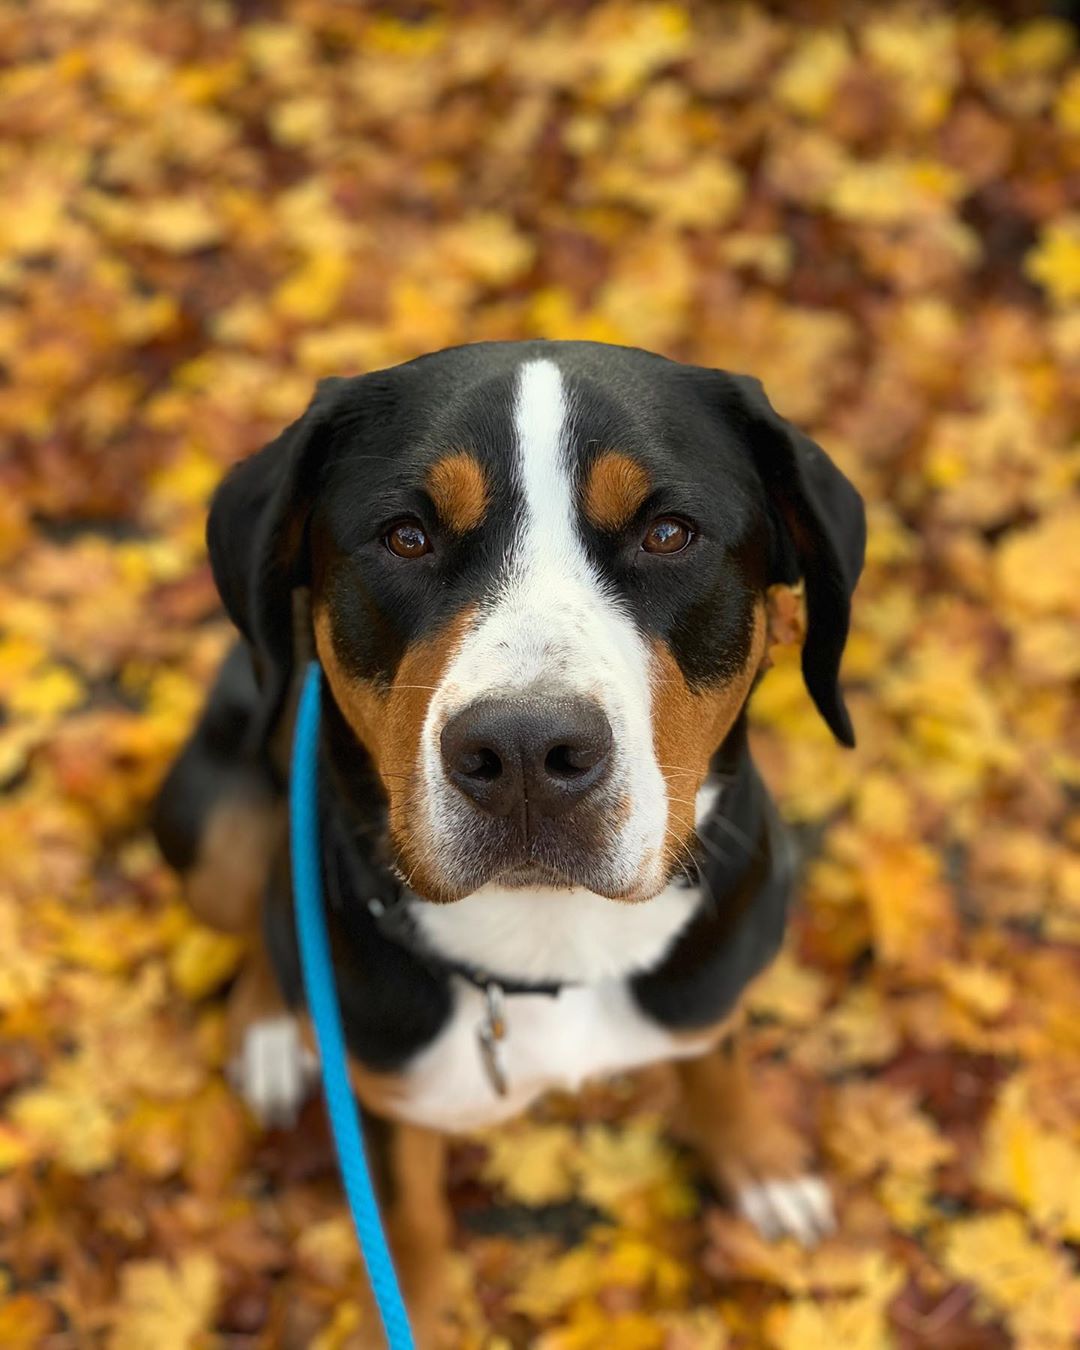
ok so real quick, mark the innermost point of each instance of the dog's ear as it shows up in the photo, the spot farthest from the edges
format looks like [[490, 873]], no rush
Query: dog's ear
[[255, 536], [820, 536]]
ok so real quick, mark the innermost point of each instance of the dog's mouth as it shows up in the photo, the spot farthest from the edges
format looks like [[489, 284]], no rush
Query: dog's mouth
[[531, 874], [481, 854]]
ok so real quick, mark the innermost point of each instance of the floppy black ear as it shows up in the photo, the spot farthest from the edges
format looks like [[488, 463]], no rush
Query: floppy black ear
[[821, 538], [255, 535]]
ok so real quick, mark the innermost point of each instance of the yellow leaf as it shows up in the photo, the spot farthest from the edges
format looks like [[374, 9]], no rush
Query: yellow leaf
[[312, 292], [855, 1324], [340, 1332], [25, 1322], [616, 1165], [219, 1134], [152, 1139], [1067, 107], [176, 224], [328, 1251], [979, 988], [626, 42], [46, 694], [1027, 1161], [299, 121], [808, 80], [488, 246], [203, 960], [792, 993], [14, 1150], [887, 191], [873, 1127], [882, 805], [1037, 569], [592, 1327], [166, 1307], [1032, 1285], [910, 909], [533, 1164], [859, 1031], [69, 1124], [1055, 262]]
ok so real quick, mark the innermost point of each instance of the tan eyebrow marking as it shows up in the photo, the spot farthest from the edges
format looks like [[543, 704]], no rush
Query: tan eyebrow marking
[[614, 490], [459, 489]]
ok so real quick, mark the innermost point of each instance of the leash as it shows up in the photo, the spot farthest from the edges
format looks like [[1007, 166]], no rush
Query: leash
[[326, 1015]]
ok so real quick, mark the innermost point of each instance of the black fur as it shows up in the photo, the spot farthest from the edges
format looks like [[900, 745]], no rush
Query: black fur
[[767, 503], [311, 509]]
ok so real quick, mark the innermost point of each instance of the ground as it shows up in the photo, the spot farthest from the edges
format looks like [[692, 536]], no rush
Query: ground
[[208, 206]]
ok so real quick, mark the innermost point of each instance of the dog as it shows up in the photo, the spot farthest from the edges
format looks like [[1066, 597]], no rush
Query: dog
[[538, 578]]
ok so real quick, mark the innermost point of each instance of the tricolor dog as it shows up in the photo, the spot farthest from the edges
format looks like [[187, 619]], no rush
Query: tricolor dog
[[538, 578]]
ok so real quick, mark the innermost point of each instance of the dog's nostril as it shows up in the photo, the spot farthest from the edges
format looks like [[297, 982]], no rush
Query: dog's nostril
[[483, 764], [568, 761], [532, 757]]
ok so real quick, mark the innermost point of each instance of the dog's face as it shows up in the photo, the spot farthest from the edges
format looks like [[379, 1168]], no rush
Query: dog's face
[[538, 576]]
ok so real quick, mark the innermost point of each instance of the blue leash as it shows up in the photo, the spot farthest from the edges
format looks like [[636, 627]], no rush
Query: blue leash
[[326, 1015]]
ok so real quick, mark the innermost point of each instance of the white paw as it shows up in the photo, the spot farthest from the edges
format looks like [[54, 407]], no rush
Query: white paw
[[801, 1208], [274, 1070]]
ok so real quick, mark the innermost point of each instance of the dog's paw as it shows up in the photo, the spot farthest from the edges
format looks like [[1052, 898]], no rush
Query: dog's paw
[[798, 1207], [274, 1070]]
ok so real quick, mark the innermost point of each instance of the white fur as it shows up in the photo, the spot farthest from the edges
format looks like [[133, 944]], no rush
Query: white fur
[[798, 1207], [553, 626], [534, 935], [555, 935], [559, 1041], [591, 1028], [274, 1070]]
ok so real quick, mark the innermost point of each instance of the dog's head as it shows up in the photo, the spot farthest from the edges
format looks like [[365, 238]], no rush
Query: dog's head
[[538, 576]]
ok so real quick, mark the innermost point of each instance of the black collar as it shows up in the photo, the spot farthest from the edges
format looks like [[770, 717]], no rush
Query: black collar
[[351, 878]]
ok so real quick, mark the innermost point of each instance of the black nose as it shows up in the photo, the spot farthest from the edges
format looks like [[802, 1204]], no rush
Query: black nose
[[539, 756]]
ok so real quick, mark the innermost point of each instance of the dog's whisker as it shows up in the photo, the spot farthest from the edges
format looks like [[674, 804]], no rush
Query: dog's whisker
[[713, 849], [740, 836]]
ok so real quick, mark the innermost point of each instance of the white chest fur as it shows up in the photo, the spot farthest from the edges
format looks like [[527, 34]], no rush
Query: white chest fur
[[552, 1041], [568, 935], [592, 1027]]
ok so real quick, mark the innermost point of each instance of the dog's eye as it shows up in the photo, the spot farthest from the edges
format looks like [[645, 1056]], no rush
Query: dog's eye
[[407, 539], [667, 534]]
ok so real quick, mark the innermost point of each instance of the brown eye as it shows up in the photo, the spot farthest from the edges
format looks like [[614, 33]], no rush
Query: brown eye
[[667, 535], [407, 540]]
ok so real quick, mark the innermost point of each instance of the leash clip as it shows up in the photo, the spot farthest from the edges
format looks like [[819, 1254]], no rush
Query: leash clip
[[491, 1035]]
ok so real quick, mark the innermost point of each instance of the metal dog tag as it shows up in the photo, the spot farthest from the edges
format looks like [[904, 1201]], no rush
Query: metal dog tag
[[490, 1036]]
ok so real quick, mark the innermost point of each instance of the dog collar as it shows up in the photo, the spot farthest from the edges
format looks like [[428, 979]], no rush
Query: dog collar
[[390, 911]]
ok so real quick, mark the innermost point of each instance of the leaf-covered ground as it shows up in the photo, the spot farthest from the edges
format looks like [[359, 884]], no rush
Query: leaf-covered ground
[[207, 206]]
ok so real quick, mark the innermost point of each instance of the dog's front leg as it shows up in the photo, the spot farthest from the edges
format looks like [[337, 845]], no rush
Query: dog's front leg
[[409, 1167], [272, 1063], [757, 1159]]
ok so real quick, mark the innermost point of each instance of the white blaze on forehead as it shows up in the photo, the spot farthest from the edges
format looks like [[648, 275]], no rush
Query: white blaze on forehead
[[552, 626], [541, 418]]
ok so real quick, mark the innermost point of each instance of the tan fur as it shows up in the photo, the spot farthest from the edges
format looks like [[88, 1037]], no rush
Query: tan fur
[[254, 997], [614, 490], [458, 487], [388, 721], [719, 1114], [689, 725], [419, 1226], [225, 886], [785, 607]]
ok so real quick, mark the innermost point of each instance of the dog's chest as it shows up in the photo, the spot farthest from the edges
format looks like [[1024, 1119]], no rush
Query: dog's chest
[[589, 1028], [552, 1041]]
